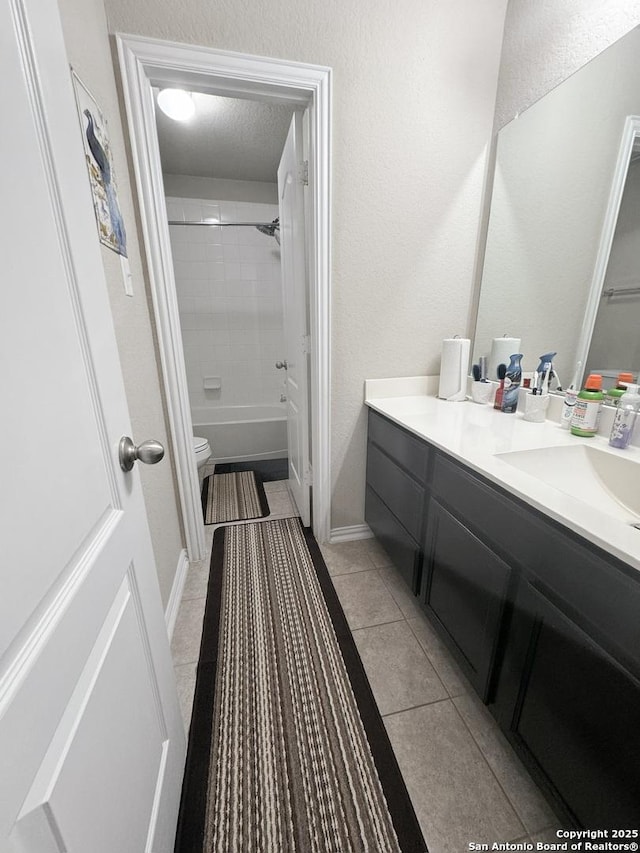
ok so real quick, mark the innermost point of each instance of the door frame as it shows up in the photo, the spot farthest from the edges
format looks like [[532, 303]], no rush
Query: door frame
[[144, 63], [630, 133]]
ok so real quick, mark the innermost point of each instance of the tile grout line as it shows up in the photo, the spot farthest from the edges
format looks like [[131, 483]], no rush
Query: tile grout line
[[433, 664], [414, 707], [426, 653], [493, 773], [345, 574], [481, 751], [422, 649], [374, 624]]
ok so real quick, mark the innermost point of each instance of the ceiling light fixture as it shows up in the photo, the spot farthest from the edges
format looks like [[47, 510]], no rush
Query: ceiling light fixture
[[177, 104]]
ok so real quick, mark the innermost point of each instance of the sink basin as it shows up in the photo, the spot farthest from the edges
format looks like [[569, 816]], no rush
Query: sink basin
[[606, 481]]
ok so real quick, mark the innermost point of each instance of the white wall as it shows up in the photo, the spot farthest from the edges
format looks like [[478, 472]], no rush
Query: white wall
[[413, 101], [195, 186], [230, 301], [87, 42], [546, 42]]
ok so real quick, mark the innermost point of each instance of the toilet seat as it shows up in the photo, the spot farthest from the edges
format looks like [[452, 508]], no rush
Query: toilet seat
[[201, 451]]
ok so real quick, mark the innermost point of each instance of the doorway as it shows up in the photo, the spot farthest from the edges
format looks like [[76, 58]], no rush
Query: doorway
[[148, 63], [220, 169]]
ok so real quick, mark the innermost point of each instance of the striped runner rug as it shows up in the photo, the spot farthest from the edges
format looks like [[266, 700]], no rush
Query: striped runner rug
[[287, 751], [233, 497]]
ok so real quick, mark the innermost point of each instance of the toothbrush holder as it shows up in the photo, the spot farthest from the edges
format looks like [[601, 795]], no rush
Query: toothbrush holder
[[482, 392], [535, 407]]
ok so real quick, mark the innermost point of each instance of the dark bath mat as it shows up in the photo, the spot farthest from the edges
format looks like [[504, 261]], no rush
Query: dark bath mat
[[287, 750], [233, 497]]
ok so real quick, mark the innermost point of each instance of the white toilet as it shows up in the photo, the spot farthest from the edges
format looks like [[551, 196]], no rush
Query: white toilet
[[202, 451]]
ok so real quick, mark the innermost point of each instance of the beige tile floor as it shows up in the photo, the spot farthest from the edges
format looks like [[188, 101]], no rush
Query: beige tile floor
[[465, 782]]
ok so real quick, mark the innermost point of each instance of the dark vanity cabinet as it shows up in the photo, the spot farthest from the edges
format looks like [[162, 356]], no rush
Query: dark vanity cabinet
[[397, 465], [545, 625], [568, 697]]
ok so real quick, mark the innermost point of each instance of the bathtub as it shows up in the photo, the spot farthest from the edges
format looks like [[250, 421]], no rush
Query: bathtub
[[242, 433]]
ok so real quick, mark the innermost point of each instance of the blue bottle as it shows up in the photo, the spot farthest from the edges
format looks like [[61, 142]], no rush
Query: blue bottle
[[512, 380]]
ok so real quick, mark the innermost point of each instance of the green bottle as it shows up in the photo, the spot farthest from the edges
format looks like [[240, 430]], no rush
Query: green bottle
[[612, 397], [586, 412]]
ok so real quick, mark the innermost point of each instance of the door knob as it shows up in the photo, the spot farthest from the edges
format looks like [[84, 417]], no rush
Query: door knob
[[150, 452], [281, 364]]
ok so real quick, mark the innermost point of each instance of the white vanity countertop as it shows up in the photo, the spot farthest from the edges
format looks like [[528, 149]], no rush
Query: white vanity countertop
[[473, 434]]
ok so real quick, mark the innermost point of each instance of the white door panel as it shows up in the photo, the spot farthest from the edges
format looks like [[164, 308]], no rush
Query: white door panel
[[91, 742], [294, 291], [95, 732]]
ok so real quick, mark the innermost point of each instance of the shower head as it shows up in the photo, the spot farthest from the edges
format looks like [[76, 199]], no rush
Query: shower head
[[271, 230]]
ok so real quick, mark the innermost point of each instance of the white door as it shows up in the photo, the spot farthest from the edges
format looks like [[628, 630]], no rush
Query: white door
[[91, 742], [296, 322]]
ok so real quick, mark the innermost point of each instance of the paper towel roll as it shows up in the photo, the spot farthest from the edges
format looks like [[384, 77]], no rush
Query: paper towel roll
[[501, 349], [454, 366]]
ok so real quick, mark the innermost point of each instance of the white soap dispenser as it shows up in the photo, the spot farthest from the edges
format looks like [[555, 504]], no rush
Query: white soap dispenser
[[626, 415]]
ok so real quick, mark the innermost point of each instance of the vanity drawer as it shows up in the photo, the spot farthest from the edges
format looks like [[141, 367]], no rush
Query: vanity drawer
[[401, 548], [402, 495], [408, 451], [498, 520]]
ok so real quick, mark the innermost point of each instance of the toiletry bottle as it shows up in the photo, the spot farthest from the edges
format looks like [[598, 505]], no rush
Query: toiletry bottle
[[625, 418], [497, 402], [612, 396], [586, 412], [570, 396], [512, 383], [545, 359]]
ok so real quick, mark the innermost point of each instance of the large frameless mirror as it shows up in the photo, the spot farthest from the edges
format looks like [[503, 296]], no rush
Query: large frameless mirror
[[559, 166]]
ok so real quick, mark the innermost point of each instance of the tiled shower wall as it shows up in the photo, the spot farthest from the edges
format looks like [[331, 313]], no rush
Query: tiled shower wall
[[230, 302]]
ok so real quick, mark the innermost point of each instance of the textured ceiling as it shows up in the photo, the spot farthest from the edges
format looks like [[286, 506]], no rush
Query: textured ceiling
[[227, 138]]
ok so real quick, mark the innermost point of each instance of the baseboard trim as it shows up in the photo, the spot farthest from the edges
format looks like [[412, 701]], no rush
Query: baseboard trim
[[350, 533], [171, 612]]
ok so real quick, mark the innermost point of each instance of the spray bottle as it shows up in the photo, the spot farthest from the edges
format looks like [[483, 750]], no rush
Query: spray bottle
[[625, 418], [512, 379], [543, 369], [570, 396]]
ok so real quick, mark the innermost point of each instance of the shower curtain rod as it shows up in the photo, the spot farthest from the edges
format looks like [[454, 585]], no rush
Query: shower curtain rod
[[221, 224], [617, 291]]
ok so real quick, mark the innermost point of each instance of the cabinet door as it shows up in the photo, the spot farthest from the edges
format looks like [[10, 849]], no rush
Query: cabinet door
[[465, 593], [574, 715]]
